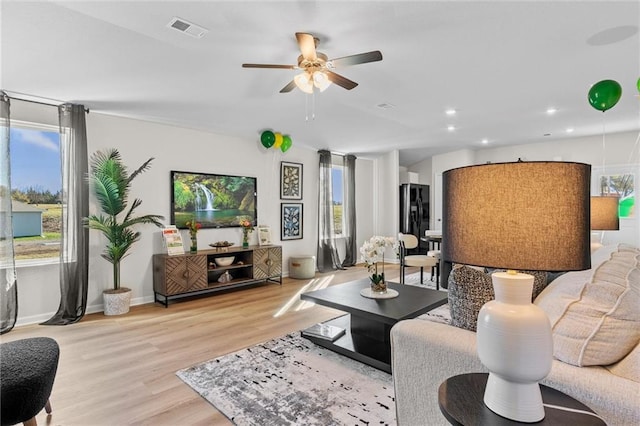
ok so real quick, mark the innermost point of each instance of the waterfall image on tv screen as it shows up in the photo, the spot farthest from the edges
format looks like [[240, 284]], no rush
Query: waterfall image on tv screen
[[215, 201]]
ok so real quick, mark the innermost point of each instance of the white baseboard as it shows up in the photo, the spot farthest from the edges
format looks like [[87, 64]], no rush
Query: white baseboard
[[91, 309]]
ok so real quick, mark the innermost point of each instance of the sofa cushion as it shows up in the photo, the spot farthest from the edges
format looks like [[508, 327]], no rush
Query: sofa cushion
[[470, 288], [629, 366], [594, 314]]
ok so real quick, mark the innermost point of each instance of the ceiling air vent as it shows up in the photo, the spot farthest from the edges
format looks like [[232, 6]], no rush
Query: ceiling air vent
[[187, 27]]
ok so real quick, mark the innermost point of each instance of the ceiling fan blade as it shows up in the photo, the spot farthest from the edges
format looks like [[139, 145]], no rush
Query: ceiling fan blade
[[340, 80], [360, 58], [286, 67], [307, 46], [289, 87]]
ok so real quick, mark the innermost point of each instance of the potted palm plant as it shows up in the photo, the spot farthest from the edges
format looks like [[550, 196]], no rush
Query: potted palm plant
[[111, 183]]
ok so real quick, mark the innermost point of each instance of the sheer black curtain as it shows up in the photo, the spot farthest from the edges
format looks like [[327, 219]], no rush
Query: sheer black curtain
[[8, 281], [327, 256], [349, 210], [74, 253]]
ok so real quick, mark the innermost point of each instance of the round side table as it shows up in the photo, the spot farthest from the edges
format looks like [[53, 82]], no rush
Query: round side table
[[461, 401]]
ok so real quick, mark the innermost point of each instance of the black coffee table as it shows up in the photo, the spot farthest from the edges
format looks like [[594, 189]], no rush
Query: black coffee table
[[369, 321]]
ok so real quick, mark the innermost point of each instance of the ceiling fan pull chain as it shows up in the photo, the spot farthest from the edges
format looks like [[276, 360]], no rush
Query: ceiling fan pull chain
[[306, 108]]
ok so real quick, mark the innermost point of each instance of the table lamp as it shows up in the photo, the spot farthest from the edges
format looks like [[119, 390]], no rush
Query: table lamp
[[516, 216], [604, 213], [604, 216]]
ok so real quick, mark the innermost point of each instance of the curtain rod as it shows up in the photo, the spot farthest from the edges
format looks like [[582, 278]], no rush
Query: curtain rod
[[42, 101]]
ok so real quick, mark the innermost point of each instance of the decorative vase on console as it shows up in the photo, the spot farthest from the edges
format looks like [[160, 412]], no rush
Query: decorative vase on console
[[247, 228], [193, 232], [371, 252]]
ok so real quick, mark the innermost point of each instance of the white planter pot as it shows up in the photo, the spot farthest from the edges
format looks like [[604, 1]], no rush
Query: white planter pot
[[116, 302]]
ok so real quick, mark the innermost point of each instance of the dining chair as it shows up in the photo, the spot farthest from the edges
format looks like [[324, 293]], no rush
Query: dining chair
[[408, 242]]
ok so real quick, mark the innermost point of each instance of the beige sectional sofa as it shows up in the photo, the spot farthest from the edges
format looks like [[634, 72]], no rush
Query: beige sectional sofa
[[598, 362]]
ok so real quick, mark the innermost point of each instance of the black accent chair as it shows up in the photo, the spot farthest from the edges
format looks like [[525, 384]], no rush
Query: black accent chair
[[28, 368]]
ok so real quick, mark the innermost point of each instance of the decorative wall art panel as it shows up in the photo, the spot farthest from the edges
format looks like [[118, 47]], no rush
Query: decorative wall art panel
[[291, 219], [290, 181]]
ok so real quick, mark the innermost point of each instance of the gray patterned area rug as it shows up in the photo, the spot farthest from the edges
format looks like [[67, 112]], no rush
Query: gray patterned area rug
[[291, 381], [414, 279]]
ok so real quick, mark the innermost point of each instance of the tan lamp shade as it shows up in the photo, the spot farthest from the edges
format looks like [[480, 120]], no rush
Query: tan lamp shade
[[522, 216], [604, 213]]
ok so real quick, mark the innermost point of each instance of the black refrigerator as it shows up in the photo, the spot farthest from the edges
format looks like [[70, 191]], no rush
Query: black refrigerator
[[414, 213]]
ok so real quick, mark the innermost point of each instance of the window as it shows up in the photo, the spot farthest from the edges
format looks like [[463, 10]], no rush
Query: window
[[337, 192], [36, 184], [620, 181], [622, 186]]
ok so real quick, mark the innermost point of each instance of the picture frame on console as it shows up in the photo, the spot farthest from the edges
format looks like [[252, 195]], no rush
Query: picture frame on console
[[291, 219], [290, 181], [264, 235]]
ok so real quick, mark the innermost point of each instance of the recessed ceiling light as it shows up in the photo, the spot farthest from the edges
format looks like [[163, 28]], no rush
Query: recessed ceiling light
[[385, 105], [485, 141], [551, 110], [451, 128], [450, 111], [570, 130]]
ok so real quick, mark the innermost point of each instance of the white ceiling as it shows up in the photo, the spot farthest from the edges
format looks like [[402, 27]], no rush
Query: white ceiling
[[499, 64]]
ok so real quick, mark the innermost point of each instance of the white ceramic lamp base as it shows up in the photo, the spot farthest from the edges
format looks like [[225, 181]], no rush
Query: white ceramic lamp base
[[515, 344]]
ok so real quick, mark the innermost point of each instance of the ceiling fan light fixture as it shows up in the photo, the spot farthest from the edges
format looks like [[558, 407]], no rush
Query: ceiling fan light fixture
[[303, 82], [321, 81]]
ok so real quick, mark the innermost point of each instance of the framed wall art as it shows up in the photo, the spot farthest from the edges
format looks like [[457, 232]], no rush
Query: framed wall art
[[291, 219], [290, 181]]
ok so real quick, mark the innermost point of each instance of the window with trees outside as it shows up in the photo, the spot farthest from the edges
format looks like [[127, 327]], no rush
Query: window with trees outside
[[622, 186], [36, 184], [337, 192]]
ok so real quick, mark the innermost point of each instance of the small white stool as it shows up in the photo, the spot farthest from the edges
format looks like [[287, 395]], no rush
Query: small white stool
[[302, 267]]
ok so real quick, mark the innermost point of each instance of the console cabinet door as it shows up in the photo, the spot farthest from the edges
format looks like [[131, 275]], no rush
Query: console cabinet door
[[267, 263], [185, 273]]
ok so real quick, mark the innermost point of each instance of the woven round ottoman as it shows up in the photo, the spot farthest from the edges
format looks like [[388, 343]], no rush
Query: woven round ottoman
[[302, 267], [28, 368]]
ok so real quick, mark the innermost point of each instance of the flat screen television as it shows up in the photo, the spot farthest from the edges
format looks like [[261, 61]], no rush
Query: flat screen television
[[216, 201]]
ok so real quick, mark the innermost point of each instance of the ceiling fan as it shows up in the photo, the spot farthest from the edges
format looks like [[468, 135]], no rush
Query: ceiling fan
[[317, 68]]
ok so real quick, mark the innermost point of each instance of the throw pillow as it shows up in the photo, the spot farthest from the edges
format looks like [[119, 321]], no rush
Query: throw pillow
[[629, 366], [594, 314], [470, 288]]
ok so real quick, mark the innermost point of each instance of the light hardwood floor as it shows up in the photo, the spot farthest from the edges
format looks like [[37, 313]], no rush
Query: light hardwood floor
[[121, 370]]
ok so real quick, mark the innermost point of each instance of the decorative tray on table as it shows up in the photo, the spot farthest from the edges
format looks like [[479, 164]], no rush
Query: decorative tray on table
[[221, 245]]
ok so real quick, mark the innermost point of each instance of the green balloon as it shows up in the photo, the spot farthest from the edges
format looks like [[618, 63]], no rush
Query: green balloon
[[605, 94], [286, 143], [638, 84], [268, 138]]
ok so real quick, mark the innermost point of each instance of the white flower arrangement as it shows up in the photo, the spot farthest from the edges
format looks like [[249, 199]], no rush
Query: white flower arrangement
[[372, 252]]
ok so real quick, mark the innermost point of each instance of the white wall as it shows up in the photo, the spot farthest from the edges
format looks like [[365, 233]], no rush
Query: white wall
[[438, 164], [387, 196], [424, 170], [183, 149], [364, 197], [619, 148]]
